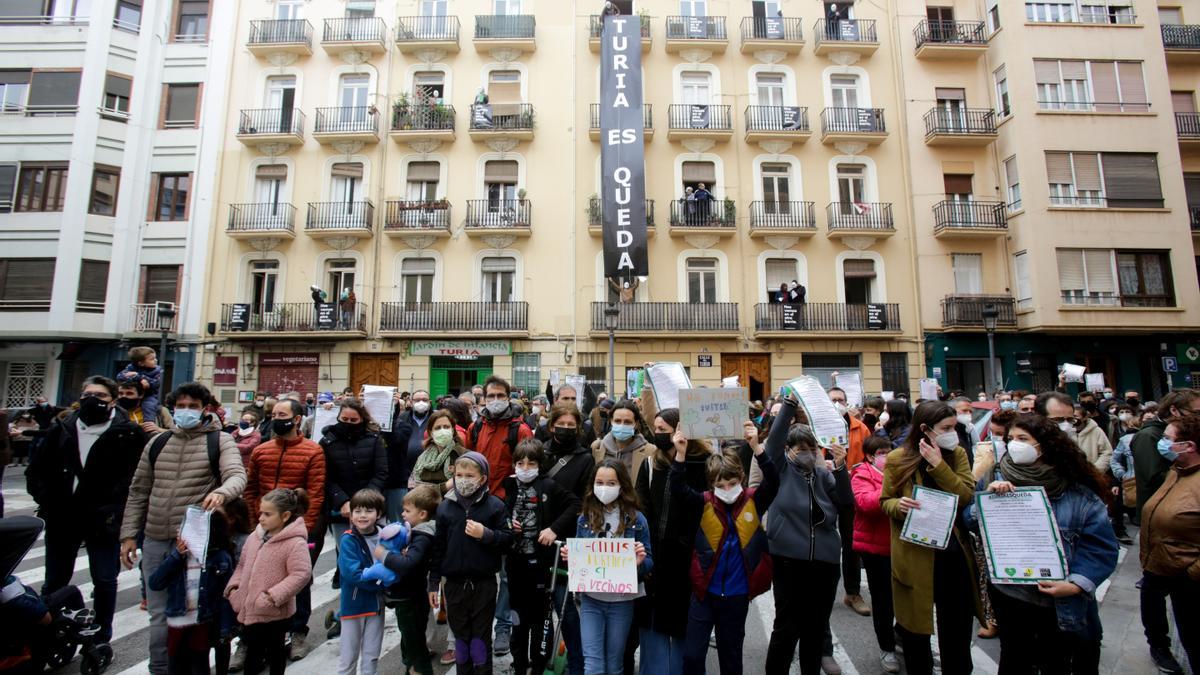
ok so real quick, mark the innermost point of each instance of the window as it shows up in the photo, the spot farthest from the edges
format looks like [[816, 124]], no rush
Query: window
[[1191, 185], [24, 382], [355, 91], [1183, 102], [346, 183], [968, 273], [128, 15], [182, 105], [1024, 285], [844, 91], [105, 182], [702, 280], [269, 183], [858, 280], [116, 95], [894, 369], [507, 7], [193, 21], [430, 87], [14, 89], [340, 277], [695, 88], [42, 187], [1112, 179], [1086, 276], [952, 108], [1013, 179], [1080, 11], [1106, 277], [26, 283], [53, 92], [1170, 16], [263, 276], [360, 9], [160, 283], [289, 10], [693, 7], [1145, 279], [498, 276], [852, 186], [770, 89], [423, 181], [593, 366], [1102, 86], [993, 16], [93, 284], [1003, 107], [171, 196], [780, 271], [500, 181], [416, 280], [776, 193], [527, 372], [8, 185]]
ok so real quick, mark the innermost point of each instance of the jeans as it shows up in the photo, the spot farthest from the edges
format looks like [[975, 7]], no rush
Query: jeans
[[1031, 641], [153, 551], [395, 503], [661, 653], [604, 625], [266, 646], [503, 610], [1185, 598], [804, 593], [728, 615], [103, 550], [851, 566], [954, 602], [569, 617], [412, 616], [879, 581]]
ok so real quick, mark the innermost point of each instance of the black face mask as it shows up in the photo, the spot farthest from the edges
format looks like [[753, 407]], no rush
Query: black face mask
[[566, 438], [283, 427], [663, 441], [1089, 406], [128, 403], [93, 411], [350, 430], [1132, 400], [870, 421], [244, 425]]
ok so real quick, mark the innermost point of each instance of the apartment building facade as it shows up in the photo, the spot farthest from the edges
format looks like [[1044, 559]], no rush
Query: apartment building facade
[[103, 162]]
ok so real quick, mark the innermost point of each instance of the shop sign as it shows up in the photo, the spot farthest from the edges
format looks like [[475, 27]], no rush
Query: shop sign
[[460, 348]]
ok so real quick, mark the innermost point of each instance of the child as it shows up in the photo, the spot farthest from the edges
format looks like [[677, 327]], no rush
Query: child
[[195, 597], [610, 510], [872, 541], [361, 608], [542, 512], [407, 595], [143, 367], [472, 536], [273, 568], [730, 563]]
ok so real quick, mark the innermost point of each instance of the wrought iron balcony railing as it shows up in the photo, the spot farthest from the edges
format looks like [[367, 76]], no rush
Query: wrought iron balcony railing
[[467, 317], [670, 317]]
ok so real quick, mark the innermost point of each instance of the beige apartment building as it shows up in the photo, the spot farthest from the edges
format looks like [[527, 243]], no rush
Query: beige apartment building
[[431, 168]]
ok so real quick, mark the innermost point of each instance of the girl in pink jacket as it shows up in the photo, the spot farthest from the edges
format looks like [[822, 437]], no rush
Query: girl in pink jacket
[[274, 567], [873, 542]]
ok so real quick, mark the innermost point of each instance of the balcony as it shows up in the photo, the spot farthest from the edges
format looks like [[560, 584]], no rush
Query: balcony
[[469, 319], [848, 35], [696, 32], [298, 318], [969, 219], [596, 26], [777, 123], [340, 219], [415, 217], [950, 39], [596, 217], [1181, 43], [708, 216], [1187, 128], [271, 126], [657, 318], [860, 219], [853, 125], [427, 33], [261, 221], [502, 120], [487, 217], [347, 124], [367, 35], [144, 319], [714, 122], [772, 33], [769, 218], [827, 318], [422, 122], [966, 311], [496, 32], [647, 122], [280, 36], [961, 127]]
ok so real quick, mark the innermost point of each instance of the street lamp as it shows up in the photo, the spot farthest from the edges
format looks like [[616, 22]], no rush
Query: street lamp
[[611, 312], [990, 313], [166, 316]]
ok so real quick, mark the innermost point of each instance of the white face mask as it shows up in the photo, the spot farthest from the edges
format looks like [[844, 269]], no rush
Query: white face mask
[[1067, 428], [947, 441], [421, 407], [1022, 452], [884, 417], [607, 494], [728, 495], [497, 407], [964, 419], [526, 475], [1125, 417], [537, 410], [841, 408]]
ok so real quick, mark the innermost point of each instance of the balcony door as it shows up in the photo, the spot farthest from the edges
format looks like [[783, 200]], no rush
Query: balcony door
[[270, 183], [852, 188], [959, 195], [422, 189], [776, 183], [281, 98], [430, 87], [858, 281], [779, 271], [507, 7], [695, 88], [354, 94], [693, 7], [770, 89], [263, 276], [941, 23], [289, 10], [346, 191], [499, 273], [843, 98], [968, 273], [500, 182], [702, 280], [360, 9], [416, 282], [952, 109]]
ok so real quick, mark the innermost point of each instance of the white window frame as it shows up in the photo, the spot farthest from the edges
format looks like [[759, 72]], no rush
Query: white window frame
[[703, 270], [1087, 296], [1002, 94], [402, 285], [1012, 190], [1023, 284], [1072, 196], [968, 266]]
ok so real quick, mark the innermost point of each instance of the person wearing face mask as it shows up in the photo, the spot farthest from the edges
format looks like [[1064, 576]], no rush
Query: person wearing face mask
[[802, 536], [405, 442], [873, 407], [987, 454], [851, 566], [443, 446], [498, 431], [80, 482], [1053, 627], [1124, 482], [247, 436], [872, 541], [923, 577], [1088, 436], [355, 459], [624, 441], [896, 422], [1123, 421]]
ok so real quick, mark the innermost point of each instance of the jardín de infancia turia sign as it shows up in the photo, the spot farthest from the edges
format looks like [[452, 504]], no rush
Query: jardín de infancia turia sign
[[460, 348]]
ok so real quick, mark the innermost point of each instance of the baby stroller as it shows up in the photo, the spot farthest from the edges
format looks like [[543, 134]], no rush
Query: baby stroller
[[27, 645], [552, 645]]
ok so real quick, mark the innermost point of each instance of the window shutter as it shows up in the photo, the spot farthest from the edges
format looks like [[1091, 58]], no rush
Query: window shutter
[[855, 268], [181, 102], [1133, 86], [1191, 184], [161, 283], [1183, 101], [1170, 16], [418, 266], [54, 89], [14, 77], [500, 171], [1010, 169], [424, 171], [968, 272], [1024, 287], [8, 184], [1002, 74], [1131, 180], [29, 279], [700, 172], [93, 281], [1070, 269], [1046, 72], [1099, 271], [271, 171], [779, 271], [1104, 86], [349, 170], [498, 265], [1074, 70], [1087, 171], [957, 183], [1058, 167], [117, 85], [943, 94]]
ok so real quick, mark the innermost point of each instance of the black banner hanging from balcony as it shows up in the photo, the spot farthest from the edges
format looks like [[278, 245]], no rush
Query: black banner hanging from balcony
[[793, 118], [622, 153]]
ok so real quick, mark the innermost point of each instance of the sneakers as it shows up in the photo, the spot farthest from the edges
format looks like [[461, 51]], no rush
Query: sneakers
[[502, 643], [333, 627], [856, 603], [888, 662], [142, 605], [237, 662], [301, 646], [829, 666], [447, 657], [1165, 660]]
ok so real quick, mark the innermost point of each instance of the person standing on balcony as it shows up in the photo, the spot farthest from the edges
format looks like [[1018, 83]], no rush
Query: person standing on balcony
[[704, 200], [348, 301], [626, 290], [318, 297]]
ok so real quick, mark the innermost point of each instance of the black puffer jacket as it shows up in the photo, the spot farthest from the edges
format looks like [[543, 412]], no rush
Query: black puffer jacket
[[576, 474], [351, 464], [460, 557]]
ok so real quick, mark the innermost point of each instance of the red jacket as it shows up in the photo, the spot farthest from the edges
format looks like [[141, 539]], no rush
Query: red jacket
[[300, 465], [872, 531], [492, 443], [858, 434]]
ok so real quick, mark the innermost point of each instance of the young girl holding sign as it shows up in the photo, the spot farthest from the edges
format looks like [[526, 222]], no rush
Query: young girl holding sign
[[610, 511]]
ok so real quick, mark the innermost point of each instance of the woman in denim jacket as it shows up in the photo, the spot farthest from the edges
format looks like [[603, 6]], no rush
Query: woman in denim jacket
[[1054, 627]]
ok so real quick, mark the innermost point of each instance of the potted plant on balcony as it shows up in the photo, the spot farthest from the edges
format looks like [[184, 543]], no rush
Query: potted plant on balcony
[[644, 17], [527, 118], [402, 112], [730, 212]]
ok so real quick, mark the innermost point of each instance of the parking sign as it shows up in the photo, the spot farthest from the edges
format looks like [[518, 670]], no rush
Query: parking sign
[[1170, 364]]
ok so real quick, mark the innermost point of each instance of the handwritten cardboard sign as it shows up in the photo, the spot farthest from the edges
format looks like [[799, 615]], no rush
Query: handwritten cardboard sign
[[713, 413], [602, 566]]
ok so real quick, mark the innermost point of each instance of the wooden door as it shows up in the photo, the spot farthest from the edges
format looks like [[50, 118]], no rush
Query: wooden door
[[380, 369], [753, 371]]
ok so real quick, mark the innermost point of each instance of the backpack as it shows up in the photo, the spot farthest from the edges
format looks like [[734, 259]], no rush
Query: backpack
[[514, 427], [213, 439]]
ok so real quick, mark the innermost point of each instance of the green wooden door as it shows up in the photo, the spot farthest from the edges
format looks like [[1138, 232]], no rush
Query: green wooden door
[[439, 379]]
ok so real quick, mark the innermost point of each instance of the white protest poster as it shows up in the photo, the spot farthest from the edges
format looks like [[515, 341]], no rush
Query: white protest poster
[[194, 531], [729, 382], [931, 524], [1094, 381], [1073, 372], [602, 566], [579, 383], [887, 395], [929, 389], [666, 379], [713, 413], [321, 419], [1021, 539], [827, 424], [851, 383], [554, 378], [378, 402]]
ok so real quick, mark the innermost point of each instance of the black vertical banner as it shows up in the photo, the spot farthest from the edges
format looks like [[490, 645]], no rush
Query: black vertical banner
[[622, 153]]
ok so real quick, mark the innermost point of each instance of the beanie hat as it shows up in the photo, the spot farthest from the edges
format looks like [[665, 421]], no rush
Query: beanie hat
[[484, 467]]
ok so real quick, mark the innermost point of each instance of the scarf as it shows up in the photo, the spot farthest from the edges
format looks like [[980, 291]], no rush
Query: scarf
[[434, 458], [1033, 475]]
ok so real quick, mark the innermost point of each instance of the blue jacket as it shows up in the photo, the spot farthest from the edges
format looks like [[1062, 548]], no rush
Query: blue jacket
[[359, 598], [1091, 549], [171, 576], [640, 530], [1121, 463]]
